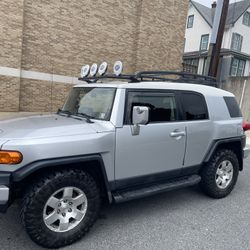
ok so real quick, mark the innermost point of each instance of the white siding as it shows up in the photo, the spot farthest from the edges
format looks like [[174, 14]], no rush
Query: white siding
[[243, 30], [247, 68], [200, 66], [193, 35], [201, 27]]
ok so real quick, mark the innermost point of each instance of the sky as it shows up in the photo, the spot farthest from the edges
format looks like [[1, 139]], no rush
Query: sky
[[209, 2]]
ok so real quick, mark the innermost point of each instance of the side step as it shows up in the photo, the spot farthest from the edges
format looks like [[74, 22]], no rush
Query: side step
[[127, 195]]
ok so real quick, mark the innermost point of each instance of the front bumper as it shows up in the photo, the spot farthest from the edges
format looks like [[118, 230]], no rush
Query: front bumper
[[4, 198], [4, 191], [246, 152]]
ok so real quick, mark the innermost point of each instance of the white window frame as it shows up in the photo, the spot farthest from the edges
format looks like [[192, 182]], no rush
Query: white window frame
[[190, 22], [238, 67], [204, 43], [246, 18], [237, 40]]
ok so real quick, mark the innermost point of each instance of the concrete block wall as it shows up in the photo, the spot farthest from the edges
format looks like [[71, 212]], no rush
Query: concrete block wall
[[44, 38], [240, 87]]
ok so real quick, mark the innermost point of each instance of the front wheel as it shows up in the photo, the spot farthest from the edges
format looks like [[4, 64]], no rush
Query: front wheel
[[219, 176], [60, 208]]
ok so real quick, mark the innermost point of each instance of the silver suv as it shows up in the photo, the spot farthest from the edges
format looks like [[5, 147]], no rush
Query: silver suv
[[116, 141]]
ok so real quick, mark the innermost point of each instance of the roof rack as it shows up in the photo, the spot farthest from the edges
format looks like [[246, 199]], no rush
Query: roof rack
[[183, 77], [157, 76]]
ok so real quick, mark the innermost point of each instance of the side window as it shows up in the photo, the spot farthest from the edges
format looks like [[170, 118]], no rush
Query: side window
[[194, 107], [233, 107], [162, 106]]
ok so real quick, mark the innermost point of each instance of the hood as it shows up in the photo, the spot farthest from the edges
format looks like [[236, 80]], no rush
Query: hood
[[43, 126]]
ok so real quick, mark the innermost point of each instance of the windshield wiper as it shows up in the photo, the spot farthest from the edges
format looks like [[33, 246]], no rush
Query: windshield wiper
[[87, 117], [66, 112], [70, 114]]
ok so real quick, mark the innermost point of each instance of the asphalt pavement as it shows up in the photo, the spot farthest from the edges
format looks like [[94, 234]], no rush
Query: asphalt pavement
[[183, 219]]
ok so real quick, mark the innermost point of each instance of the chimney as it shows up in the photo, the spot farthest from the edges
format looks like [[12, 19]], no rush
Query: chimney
[[214, 4]]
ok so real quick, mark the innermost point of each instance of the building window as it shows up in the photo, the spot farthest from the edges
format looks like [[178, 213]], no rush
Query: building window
[[193, 62], [191, 65], [204, 42], [237, 40], [190, 22], [246, 19], [238, 67]]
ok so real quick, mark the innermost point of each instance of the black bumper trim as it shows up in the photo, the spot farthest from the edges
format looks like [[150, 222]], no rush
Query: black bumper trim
[[3, 208], [5, 179]]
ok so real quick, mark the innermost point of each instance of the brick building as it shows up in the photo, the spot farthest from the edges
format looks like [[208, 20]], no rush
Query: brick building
[[44, 43]]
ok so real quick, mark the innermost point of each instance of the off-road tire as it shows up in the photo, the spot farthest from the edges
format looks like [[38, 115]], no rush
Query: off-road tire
[[208, 173], [39, 192]]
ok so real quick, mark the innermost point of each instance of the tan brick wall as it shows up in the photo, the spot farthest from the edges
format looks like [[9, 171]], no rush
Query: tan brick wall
[[9, 93], [161, 36], [58, 37], [42, 96], [11, 32], [61, 36]]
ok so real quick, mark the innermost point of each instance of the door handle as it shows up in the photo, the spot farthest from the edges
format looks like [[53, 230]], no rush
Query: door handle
[[177, 133]]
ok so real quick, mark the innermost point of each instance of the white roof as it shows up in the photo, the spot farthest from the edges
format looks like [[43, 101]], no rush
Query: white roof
[[203, 89]]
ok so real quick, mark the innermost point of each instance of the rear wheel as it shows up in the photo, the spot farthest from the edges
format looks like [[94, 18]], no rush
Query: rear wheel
[[219, 176], [60, 208]]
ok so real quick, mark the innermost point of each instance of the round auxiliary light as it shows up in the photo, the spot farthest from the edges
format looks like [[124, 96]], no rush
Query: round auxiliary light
[[102, 68], [118, 67], [93, 69], [85, 71]]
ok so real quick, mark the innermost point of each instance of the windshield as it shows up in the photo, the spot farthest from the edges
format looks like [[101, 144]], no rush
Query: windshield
[[94, 102]]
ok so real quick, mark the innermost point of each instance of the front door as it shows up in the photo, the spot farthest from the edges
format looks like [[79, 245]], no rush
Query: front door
[[159, 147]]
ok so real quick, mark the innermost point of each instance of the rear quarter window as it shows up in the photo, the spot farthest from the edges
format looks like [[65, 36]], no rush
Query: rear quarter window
[[194, 106], [232, 106]]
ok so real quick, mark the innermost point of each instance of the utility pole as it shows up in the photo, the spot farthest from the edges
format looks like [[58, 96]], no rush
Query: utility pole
[[217, 37]]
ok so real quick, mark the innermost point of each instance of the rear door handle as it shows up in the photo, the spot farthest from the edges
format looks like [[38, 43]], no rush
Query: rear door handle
[[177, 133]]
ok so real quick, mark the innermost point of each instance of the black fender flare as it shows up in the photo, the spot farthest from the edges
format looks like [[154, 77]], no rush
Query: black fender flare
[[216, 143], [32, 167]]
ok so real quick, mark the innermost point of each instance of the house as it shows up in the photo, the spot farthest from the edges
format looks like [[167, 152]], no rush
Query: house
[[235, 51]]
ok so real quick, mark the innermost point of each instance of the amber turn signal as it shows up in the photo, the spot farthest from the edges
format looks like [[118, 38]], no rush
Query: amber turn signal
[[10, 157]]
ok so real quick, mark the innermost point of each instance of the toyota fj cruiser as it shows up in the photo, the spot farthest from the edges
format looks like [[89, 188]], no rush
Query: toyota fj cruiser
[[118, 141]]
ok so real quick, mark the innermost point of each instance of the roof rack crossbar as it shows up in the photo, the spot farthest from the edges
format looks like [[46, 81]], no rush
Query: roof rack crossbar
[[93, 79], [176, 73]]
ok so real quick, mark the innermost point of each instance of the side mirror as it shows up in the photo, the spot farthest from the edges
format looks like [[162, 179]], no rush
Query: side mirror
[[140, 115]]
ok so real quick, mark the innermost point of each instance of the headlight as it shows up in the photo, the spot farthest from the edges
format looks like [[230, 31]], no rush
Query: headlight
[[10, 157]]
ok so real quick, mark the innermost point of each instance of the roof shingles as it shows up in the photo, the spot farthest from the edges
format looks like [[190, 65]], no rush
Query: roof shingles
[[234, 12]]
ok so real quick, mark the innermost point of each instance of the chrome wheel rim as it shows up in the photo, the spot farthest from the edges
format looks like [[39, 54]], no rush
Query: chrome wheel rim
[[224, 174], [65, 209]]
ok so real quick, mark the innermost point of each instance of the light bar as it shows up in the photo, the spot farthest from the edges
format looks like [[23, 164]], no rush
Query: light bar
[[93, 69], [102, 68], [118, 67], [85, 71]]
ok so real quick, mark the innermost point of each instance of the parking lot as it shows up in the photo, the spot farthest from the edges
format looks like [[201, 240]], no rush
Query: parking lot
[[183, 219]]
